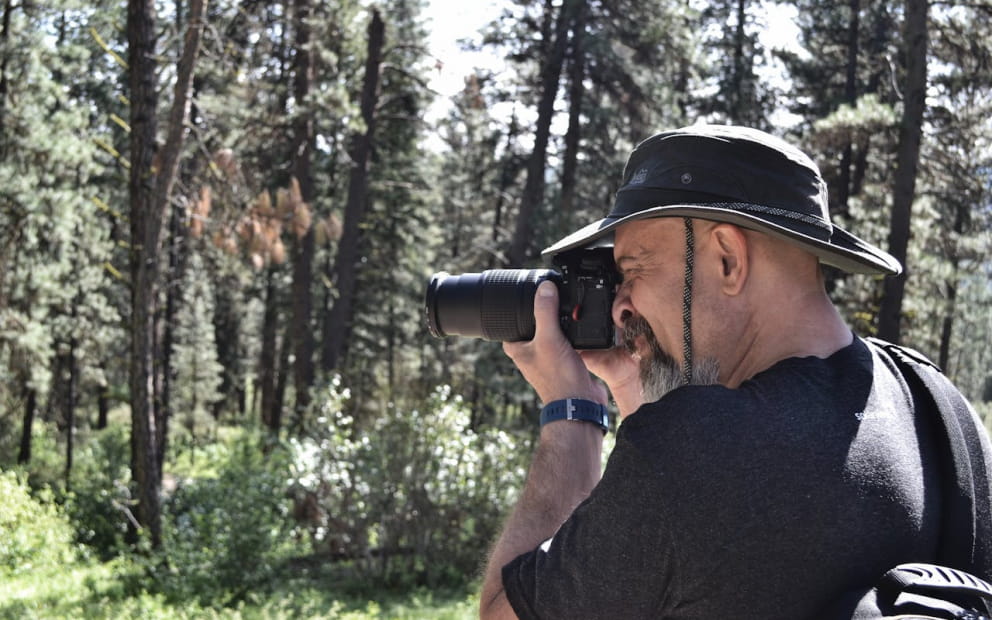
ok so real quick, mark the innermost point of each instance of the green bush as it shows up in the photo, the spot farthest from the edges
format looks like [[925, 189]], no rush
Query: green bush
[[47, 465], [417, 495], [100, 501], [33, 531], [222, 536]]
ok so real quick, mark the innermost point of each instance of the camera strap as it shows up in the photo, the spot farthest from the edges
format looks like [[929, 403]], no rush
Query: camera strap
[[687, 304]]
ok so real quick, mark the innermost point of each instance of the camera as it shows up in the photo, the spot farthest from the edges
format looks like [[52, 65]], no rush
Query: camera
[[498, 304]]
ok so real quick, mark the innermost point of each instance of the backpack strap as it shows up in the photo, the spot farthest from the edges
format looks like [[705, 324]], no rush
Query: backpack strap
[[933, 589], [966, 524]]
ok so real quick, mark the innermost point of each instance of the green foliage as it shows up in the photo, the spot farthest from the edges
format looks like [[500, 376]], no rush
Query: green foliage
[[54, 242], [198, 373], [416, 495], [99, 504], [222, 535], [95, 590], [34, 533]]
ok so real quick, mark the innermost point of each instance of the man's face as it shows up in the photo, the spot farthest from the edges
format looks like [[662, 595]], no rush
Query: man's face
[[650, 255]]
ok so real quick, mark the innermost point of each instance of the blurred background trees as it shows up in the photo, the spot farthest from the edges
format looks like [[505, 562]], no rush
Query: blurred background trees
[[226, 241]]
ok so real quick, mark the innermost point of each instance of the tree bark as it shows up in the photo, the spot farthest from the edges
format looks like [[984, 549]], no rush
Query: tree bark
[[907, 161], [282, 378], [533, 193], [30, 408], [508, 171], [303, 249], [152, 177], [950, 305], [102, 407], [70, 405], [850, 96], [737, 101], [144, 222], [173, 291], [226, 317], [8, 8], [345, 264], [573, 135], [267, 361]]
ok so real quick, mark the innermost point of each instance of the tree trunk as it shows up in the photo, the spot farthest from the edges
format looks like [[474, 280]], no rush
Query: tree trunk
[[533, 192], [8, 8], [907, 160], [508, 172], [345, 265], [70, 406], [950, 306], [145, 227], [226, 317], [152, 176], [282, 378], [737, 101], [303, 248], [267, 361], [30, 408], [947, 325], [102, 406], [576, 77], [173, 292], [850, 96]]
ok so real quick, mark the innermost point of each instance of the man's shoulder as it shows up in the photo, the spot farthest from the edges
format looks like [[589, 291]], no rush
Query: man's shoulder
[[796, 401]]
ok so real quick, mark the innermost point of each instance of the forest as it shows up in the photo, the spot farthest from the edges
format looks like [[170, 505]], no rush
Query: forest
[[218, 218]]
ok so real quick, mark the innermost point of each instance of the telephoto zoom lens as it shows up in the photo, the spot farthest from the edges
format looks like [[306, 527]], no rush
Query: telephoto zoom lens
[[497, 304]]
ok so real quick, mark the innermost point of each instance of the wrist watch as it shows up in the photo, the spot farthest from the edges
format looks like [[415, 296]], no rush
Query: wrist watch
[[576, 409]]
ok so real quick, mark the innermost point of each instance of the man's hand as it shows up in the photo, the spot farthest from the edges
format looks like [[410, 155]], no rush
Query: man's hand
[[621, 372], [548, 362]]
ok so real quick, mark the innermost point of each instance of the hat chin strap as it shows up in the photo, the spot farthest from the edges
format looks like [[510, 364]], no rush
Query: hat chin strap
[[687, 304]]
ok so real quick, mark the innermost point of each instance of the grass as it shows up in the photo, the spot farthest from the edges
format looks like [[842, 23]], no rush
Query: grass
[[97, 590]]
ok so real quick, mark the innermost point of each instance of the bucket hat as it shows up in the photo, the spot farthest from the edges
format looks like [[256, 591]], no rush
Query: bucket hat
[[737, 175]]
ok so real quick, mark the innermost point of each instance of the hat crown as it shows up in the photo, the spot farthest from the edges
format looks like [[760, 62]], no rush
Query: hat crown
[[736, 175], [725, 164]]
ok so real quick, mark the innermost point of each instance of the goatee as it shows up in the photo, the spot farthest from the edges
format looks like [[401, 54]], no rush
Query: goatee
[[660, 373]]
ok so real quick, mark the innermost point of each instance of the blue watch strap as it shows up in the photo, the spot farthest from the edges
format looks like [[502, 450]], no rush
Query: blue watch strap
[[576, 409]]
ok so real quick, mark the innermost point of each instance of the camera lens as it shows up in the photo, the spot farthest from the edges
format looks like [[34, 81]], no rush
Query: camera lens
[[497, 304]]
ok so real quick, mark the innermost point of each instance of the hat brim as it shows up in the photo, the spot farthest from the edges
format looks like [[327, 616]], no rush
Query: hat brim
[[843, 250]]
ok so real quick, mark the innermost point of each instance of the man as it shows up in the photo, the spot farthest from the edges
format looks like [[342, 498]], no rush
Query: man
[[767, 461]]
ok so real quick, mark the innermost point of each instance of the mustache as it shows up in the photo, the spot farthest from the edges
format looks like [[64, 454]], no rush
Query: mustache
[[634, 328]]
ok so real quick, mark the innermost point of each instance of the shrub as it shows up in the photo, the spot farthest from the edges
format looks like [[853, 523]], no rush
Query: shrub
[[99, 503], [221, 536], [33, 531], [418, 493]]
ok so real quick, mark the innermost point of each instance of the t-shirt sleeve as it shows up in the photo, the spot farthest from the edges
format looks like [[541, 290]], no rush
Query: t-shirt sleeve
[[611, 559]]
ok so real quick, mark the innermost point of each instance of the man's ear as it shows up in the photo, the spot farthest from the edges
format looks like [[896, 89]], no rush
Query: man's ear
[[732, 248]]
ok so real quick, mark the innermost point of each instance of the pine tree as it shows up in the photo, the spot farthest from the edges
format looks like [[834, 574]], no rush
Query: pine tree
[[56, 298], [740, 98], [199, 374]]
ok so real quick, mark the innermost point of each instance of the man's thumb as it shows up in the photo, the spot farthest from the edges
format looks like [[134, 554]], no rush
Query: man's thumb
[[546, 304]]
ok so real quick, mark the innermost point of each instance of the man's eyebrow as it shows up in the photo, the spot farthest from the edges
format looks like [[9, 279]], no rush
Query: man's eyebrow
[[639, 255], [624, 259]]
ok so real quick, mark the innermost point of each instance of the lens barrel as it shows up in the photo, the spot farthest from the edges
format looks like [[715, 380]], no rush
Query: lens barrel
[[497, 304]]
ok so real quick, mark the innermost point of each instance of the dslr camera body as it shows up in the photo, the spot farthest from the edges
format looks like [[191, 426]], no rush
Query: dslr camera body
[[498, 304]]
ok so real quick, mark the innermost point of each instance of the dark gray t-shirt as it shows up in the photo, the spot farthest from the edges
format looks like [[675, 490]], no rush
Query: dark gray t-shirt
[[767, 501]]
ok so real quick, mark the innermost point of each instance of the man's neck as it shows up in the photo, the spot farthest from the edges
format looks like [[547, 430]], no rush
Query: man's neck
[[811, 327]]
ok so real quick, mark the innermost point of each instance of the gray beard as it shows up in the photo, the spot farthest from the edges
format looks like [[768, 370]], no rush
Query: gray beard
[[660, 373]]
